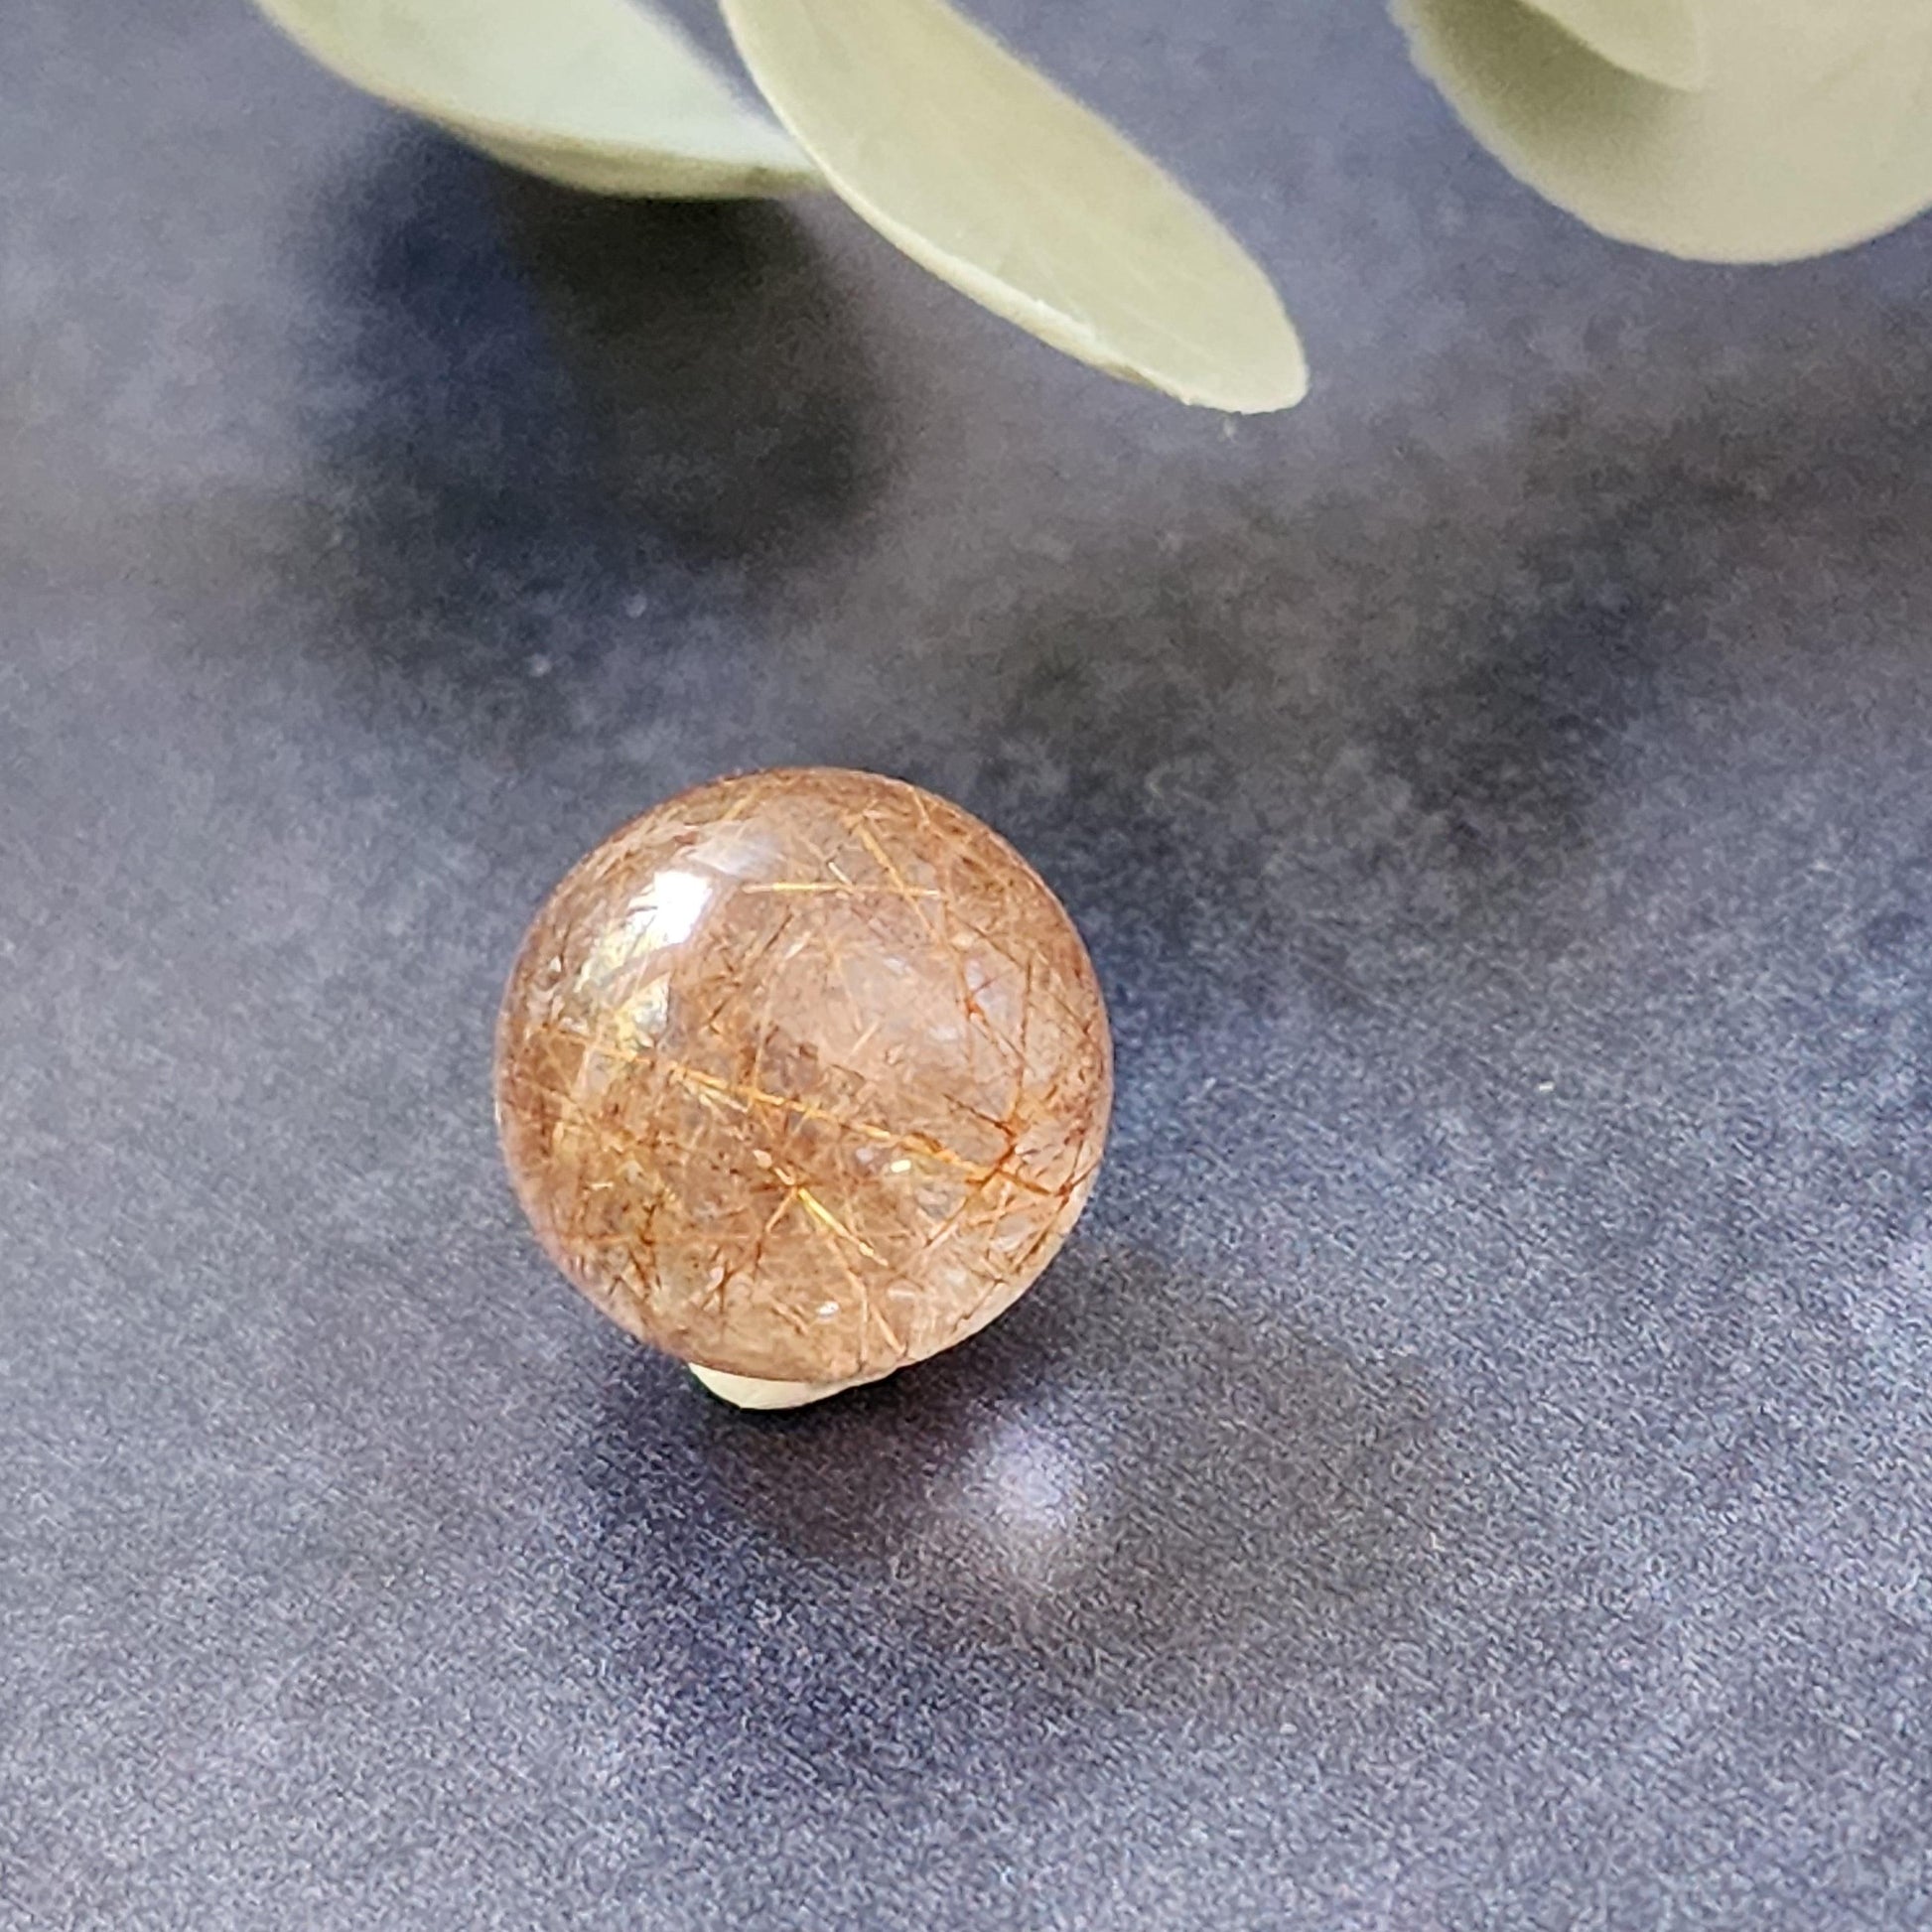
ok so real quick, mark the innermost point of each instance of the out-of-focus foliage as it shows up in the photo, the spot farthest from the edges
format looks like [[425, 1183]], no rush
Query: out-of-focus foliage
[[1727, 130], [599, 94], [1810, 129]]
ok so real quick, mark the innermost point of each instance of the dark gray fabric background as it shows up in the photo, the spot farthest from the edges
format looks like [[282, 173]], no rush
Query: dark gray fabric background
[[1471, 1468]]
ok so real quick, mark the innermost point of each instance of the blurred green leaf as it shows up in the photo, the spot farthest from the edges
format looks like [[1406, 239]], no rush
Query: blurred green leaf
[[600, 94], [1813, 131]]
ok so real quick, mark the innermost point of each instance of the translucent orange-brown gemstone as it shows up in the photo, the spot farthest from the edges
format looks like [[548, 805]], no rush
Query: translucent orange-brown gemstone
[[803, 1075]]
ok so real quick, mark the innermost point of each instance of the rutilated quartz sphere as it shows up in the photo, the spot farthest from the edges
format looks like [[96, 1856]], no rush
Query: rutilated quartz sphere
[[803, 1077]]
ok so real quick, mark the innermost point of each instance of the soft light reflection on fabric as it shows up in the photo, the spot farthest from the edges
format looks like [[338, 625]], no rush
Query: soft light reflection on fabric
[[1026, 1497]]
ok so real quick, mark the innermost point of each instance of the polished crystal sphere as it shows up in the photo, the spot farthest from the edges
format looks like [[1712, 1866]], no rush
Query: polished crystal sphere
[[803, 1077]]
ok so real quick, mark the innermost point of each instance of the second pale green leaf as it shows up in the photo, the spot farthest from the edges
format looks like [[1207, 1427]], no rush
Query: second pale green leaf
[[985, 173]]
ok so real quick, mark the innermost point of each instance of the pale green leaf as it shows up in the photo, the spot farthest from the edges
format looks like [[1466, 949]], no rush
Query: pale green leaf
[[985, 173], [1813, 131], [1657, 40], [600, 94]]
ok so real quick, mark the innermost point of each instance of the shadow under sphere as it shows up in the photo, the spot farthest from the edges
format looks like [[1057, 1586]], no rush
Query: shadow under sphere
[[1126, 1484]]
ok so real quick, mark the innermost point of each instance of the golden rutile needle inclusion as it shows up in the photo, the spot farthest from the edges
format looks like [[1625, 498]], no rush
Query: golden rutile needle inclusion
[[803, 1075]]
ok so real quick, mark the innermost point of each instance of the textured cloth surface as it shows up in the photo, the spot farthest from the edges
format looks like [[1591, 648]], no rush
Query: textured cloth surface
[[1469, 1469]]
